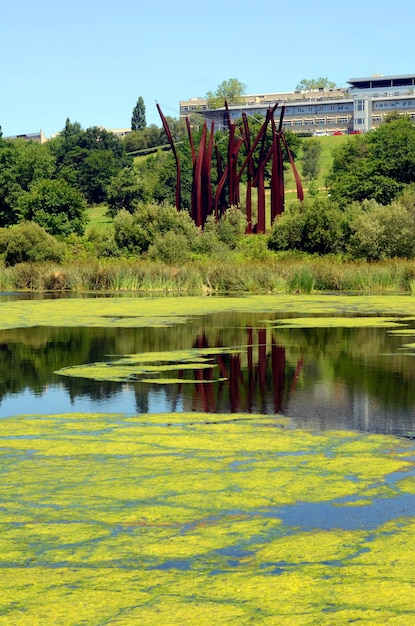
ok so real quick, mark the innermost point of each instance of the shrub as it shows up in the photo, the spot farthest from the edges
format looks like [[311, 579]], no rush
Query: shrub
[[316, 226], [138, 231], [29, 242], [170, 248], [229, 228], [381, 232]]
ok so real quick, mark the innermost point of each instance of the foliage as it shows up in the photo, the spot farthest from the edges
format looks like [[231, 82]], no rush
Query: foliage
[[21, 164], [375, 166], [88, 159], [231, 90], [165, 187], [135, 141], [125, 190], [229, 228], [309, 84], [138, 231], [316, 225], [55, 206], [171, 247], [311, 158], [29, 242], [138, 119], [380, 232]]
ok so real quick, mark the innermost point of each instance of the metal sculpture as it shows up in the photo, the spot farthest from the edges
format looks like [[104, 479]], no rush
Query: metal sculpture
[[206, 201]]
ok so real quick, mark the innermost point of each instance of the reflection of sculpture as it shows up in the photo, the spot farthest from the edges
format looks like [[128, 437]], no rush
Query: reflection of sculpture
[[206, 201], [248, 379]]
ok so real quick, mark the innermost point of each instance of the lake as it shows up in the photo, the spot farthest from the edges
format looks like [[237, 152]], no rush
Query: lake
[[359, 378]]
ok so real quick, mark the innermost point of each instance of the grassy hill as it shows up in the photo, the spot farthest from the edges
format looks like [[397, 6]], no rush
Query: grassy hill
[[328, 144]]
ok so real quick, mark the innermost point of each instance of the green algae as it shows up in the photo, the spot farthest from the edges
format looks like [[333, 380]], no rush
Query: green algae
[[338, 322], [176, 519], [165, 311], [148, 366]]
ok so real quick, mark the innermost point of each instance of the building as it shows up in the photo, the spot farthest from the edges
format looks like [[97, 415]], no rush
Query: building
[[37, 137], [358, 108]]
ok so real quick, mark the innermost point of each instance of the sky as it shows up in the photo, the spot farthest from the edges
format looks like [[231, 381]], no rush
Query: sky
[[89, 61]]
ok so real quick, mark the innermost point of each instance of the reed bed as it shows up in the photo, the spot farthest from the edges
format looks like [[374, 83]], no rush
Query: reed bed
[[279, 274]]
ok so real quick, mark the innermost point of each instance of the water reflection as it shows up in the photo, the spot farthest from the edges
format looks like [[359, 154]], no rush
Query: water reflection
[[352, 378]]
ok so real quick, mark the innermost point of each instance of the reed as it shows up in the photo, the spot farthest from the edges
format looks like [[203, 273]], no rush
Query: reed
[[278, 273]]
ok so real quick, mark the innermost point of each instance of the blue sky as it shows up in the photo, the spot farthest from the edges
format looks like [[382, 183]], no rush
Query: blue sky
[[90, 60]]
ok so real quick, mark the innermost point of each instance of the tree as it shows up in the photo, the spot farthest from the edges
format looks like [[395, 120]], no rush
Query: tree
[[21, 164], [138, 119], [87, 159], [125, 190], [375, 166], [311, 158], [231, 90], [54, 205], [308, 84]]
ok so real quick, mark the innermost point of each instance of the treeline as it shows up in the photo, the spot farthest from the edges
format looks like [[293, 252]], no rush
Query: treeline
[[367, 212]]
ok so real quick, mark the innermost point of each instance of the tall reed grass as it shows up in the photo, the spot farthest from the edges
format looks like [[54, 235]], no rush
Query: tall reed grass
[[277, 274]]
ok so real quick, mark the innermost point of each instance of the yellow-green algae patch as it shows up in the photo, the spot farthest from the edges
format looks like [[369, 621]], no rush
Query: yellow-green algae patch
[[179, 519], [338, 322], [163, 311], [148, 366]]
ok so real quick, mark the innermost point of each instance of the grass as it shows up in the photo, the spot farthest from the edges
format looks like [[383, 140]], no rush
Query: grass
[[328, 144], [98, 220], [272, 273]]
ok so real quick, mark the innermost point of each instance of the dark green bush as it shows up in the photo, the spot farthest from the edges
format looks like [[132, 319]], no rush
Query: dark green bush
[[56, 206], [316, 226], [29, 242]]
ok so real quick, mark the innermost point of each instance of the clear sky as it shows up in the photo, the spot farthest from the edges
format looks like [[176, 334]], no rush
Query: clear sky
[[90, 60]]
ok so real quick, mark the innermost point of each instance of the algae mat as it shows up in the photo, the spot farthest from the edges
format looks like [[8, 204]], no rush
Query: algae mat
[[199, 519], [162, 311]]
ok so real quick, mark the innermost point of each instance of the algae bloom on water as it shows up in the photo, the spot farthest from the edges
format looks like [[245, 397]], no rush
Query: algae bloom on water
[[199, 519]]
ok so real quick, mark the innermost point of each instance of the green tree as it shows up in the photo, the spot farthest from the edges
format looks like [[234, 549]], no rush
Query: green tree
[[231, 90], [178, 130], [308, 84], [311, 158], [377, 165], [54, 205], [138, 119], [87, 159], [125, 191], [21, 164], [135, 141]]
